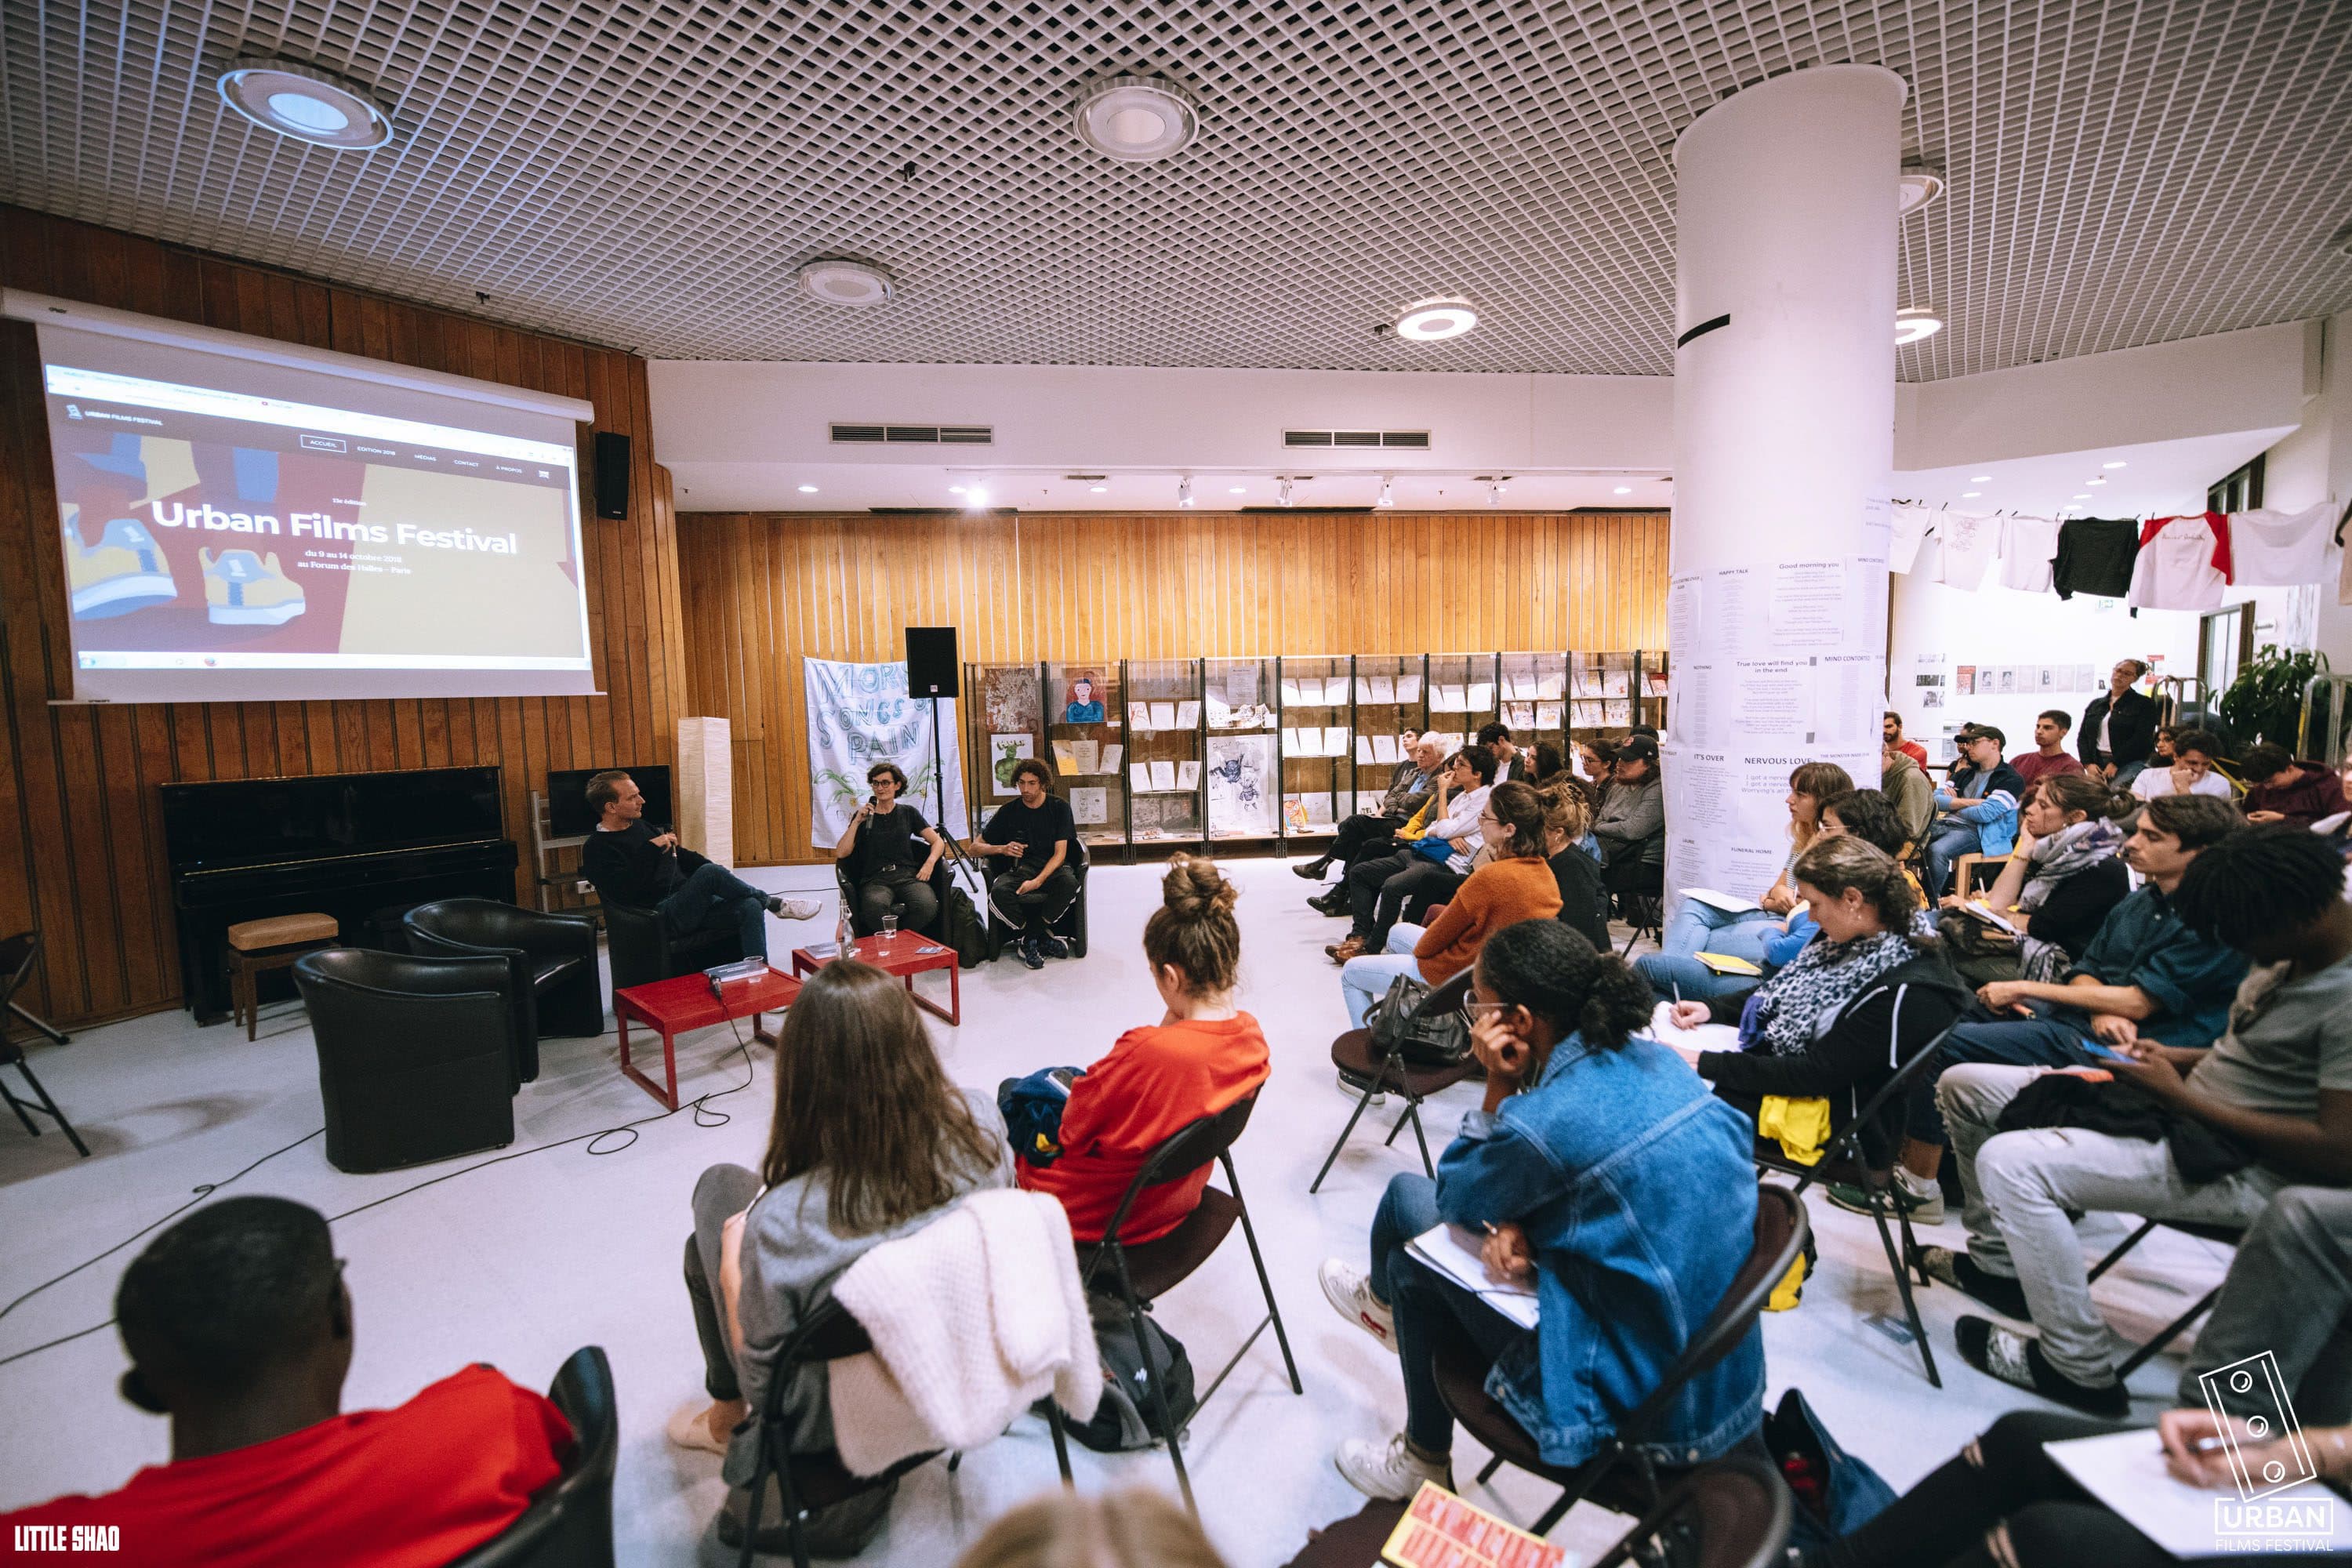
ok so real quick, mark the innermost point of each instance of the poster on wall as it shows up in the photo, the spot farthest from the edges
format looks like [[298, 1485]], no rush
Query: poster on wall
[[1009, 696], [1241, 771], [860, 714], [1003, 750]]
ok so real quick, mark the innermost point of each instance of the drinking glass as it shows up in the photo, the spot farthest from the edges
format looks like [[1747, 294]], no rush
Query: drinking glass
[[889, 928]]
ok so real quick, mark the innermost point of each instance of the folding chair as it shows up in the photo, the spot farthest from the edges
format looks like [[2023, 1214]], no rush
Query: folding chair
[[1354, 1053], [1734, 1513], [1841, 1160], [1147, 1270], [1781, 1230], [2228, 1234], [569, 1523], [17, 954]]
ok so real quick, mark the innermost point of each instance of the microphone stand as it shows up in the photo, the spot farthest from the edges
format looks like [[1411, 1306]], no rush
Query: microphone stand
[[956, 855]]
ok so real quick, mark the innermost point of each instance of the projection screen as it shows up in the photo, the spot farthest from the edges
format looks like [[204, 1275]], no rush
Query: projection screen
[[245, 520]]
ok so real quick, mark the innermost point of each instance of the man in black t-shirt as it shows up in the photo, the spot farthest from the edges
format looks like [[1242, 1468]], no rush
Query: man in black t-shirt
[[1038, 836], [632, 865]]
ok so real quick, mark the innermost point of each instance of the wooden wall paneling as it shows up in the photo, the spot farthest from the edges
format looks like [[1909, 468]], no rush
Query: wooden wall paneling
[[82, 856]]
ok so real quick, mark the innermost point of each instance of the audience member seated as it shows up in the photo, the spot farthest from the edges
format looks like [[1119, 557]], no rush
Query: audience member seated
[[2192, 772], [1516, 884], [238, 1326], [891, 852], [2118, 727], [2156, 1130], [2161, 754], [1497, 738], [2048, 754], [1598, 758], [871, 1142], [1137, 1527], [1890, 730], [1907, 788], [1977, 811], [1550, 763], [1747, 935], [1429, 866], [1159, 1079], [1038, 834], [1860, 999], [1575, 872], [628, 863], [1631, 824], [1597, 1165], [2282, 787], [1866, 814], [1410, 783], [2289, 1293], [2057, 886], [2147, 974]]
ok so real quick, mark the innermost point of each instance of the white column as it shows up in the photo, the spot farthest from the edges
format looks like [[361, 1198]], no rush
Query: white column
[[1784, 442]]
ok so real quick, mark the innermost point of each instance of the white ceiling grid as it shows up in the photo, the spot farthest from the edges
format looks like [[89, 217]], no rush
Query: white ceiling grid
[[648, 172]]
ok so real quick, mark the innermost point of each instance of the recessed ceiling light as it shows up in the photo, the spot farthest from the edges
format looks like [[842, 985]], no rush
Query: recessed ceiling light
[[1434, 321], [955, 489], [974, 499], [1970, 495], [2082, 495], [1915, 323], [305, 103], [1136, 119], [2096, 479], [808, 490], [2113, 465], [1979, 478], [1920, 186], [1624, 489], [839, 280], [1238, 490], [1098, 490]]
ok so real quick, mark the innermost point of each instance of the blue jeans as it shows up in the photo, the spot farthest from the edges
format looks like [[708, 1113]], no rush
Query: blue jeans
[[713, 894], [1422, 1298], [1364, 980], [1946, 845], [1703, 928], [2040, 1041]]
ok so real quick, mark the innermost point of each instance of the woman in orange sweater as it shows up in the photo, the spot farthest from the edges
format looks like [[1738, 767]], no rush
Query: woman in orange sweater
[[1201, 1057], [1514, 884]]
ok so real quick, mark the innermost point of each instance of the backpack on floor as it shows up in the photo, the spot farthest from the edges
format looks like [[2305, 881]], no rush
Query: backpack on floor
[[1127, 1419], [1837, 1493], [962, 929]]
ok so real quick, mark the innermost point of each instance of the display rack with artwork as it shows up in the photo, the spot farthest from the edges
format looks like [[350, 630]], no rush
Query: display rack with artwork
[[1649, 686], [1005, 716], [1600, 695], [1534, 697], [1239, 700], [1462, 696], [1087, 744], [1392, 698], [1318, 736], [1164, 726]]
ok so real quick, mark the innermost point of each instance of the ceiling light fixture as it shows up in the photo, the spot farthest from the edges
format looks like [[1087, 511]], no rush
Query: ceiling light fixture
[[840, 280], [1622, 490], [1184, 490], [975, 498], [305, 103], [1979, 478], [955, 489], [2096, 479], [1970, 495], [1238, 490], [2082, 495], [808, 490], [1915, 323], [2117, 464], [1098, 490], [1434, 321], [1920, 186], [1136, 119], [1285, 496]]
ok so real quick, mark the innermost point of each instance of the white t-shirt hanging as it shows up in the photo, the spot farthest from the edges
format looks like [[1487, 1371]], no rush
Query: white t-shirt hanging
[[1965, 548], [2175, 570], [2279, 550], [1907, 529], [2027, 547]]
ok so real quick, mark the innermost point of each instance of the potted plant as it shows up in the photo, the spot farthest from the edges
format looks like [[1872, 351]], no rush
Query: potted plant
[[2265, 702]]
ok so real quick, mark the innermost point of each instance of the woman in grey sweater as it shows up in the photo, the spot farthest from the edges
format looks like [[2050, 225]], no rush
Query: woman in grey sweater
[[870, 1143]]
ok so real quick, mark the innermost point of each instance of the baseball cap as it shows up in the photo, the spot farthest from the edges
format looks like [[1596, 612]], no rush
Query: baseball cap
[[1639, 747]]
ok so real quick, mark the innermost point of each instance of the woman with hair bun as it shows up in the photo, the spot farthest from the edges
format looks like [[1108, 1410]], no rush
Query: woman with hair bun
[[1202, 1055], [1600, 1168]]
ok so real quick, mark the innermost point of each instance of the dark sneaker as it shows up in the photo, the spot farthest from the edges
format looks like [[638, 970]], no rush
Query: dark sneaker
[[1312, 870], [1053, 946], [2018, 1360], [1334, 902], [1859, 1199], [1030, 955], [2000, 1291]]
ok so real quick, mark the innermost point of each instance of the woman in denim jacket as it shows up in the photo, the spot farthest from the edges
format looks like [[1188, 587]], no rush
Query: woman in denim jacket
[[1603, 1166]]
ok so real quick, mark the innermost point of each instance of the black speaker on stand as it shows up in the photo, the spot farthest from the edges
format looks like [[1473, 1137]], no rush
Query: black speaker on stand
[[932, 672]]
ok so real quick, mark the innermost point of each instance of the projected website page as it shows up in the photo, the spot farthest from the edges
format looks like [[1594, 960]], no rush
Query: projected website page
[[210, 529]]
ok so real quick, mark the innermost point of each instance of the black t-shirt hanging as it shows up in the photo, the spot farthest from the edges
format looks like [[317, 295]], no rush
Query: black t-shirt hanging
[[2096, 556], [890, 840], [1036, 829]]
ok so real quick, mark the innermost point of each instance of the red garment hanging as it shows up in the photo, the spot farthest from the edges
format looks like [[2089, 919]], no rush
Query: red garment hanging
[[2218, 522]]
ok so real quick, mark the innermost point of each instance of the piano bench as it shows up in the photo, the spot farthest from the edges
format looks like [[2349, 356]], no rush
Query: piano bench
[[258, 946]]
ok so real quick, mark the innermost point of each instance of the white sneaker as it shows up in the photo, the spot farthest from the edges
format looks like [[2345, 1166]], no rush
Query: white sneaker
[[1352, 1092], [689, 1428], [1349, 1291], [794, 909], [1389, 1471]]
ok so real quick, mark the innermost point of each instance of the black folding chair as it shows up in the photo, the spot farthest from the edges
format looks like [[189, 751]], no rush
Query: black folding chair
[[18, 955], [569, 1523], [1381, 1069], [1734, 1513], [1841, 1160], [1781, 1231], [2228, 1235], [1146, 1271]]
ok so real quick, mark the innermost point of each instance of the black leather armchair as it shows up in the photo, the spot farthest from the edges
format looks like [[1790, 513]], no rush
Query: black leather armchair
[[942, 879], [643, 950], [415, 1054], [553, 958], [570, 1523]]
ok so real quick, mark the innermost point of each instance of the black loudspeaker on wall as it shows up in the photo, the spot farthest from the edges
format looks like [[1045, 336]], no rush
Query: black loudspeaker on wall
[[932, 661], [612, 475]]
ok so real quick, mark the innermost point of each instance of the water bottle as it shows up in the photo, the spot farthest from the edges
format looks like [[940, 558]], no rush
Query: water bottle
[[842, 935]]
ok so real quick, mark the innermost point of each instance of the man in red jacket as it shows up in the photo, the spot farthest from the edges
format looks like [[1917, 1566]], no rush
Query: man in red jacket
[[1891, 729], [2280, 788], [239, 1328]]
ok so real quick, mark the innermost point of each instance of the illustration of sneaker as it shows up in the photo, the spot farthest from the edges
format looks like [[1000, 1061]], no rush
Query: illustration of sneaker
[[123, 571], [241, 590]]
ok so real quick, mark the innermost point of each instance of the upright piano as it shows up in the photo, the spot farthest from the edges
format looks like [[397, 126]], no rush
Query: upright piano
[[353, 846]]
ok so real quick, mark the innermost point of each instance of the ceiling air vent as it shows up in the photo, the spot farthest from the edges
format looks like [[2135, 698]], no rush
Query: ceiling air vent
[[914, 434], [1410, 441]]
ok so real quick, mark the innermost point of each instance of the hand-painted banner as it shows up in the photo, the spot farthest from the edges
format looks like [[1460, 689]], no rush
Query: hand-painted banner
[[860, 714]]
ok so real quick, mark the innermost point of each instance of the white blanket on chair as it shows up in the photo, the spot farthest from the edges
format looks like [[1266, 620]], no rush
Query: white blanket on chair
[[973, 1317]]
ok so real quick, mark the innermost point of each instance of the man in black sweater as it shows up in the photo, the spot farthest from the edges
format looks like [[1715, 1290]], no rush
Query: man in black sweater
[[631, 864]]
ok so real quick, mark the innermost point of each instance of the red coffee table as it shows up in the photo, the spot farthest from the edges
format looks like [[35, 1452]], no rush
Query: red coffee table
[[907, 955], [670, 1008]]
